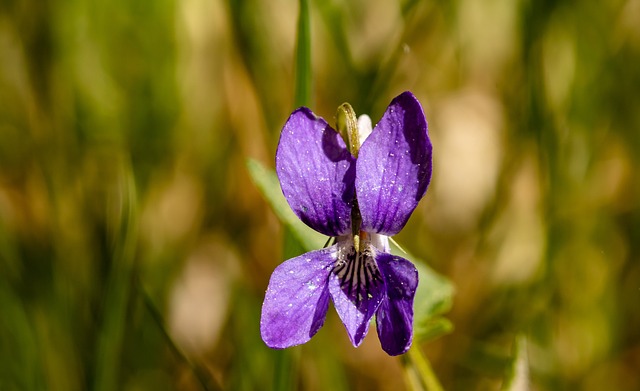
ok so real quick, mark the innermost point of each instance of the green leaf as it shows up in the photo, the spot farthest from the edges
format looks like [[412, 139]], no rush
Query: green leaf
[[427, 329], [435, 292], [267, 182]]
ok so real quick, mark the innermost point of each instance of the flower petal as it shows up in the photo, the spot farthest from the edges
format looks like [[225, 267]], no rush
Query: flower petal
[[356, 290], [394, 167], [316, 173], [297, 299], [394, 318]]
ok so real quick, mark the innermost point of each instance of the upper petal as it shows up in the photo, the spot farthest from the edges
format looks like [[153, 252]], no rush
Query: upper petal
[[297, 299], [316, 173], [394, 167], [394, 318], [357, 289]]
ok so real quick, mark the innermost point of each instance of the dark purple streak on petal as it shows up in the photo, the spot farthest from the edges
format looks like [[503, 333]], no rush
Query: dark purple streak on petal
[[357, 289], [316, 173], [394, 318], [297, 299], [393, 168]]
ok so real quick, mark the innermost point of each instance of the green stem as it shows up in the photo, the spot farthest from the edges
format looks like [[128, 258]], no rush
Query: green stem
[[420, 364], [303, 58]]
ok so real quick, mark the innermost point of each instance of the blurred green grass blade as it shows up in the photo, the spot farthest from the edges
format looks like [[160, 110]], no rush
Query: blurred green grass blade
[[517, 378], [119, 286], [434, 297], [287, 364], [202, 375], [303, 58], [267, 182], [297, 237], [20, 342]]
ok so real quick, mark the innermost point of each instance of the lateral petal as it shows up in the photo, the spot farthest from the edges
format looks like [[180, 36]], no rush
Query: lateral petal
[[393, 168], [316, 172], [394, 318], [297, 299]]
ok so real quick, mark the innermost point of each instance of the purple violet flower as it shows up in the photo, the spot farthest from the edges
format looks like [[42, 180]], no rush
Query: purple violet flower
[[360, 202]]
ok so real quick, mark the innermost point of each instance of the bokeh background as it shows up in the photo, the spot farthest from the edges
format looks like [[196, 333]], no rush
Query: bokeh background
[[135, 249]]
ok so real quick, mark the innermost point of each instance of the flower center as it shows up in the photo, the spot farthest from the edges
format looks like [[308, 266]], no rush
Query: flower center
[[356, 267]]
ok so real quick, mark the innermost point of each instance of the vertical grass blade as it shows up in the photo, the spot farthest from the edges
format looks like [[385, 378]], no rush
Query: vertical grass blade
[[287, 362], [119, 285], [517, 378], [302, 95]]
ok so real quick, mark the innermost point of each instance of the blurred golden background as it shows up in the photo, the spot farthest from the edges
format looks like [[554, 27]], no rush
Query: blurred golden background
[[135, 249]]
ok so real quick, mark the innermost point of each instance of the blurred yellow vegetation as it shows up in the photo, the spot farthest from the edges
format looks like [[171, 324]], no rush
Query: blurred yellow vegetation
[[135, 250]]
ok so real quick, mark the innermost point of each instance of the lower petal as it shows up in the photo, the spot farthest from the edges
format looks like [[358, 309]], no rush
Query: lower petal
[[297, 299], [394, 318], [357, 289]]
